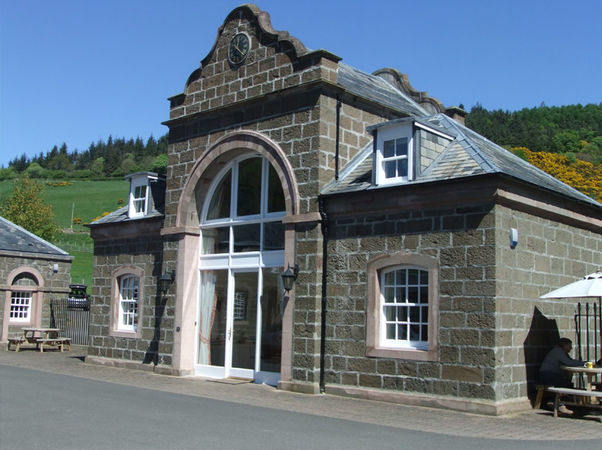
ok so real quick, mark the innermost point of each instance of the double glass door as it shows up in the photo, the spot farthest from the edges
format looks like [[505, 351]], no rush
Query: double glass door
[[239, 327]]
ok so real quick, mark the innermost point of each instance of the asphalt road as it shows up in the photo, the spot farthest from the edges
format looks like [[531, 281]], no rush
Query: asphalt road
[[40, 410]]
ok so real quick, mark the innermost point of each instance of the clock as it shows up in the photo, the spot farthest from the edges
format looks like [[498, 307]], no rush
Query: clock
[[238, 49]]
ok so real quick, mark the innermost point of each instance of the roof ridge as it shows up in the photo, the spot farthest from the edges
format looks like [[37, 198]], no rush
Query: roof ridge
[[376, 79], [472, 149], [441, 156], [350, 166], [517, 159]]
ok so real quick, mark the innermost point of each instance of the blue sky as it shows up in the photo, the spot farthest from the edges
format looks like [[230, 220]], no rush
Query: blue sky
[[78, 71]]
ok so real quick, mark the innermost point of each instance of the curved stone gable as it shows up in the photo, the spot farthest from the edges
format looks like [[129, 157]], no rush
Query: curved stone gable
[[275, 61]]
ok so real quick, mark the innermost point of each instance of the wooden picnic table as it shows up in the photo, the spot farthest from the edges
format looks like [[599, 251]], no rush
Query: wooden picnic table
[[40, 337], [590, 373], [31, 334], [589, 396]]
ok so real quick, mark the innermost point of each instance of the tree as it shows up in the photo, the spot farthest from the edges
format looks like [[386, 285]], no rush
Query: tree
[[7, 174], [98, 167], [159, 165], [34, 171], [26, 208]]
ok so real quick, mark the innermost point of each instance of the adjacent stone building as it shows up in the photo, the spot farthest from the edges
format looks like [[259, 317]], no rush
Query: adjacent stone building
[[32, 273], [419, 247]]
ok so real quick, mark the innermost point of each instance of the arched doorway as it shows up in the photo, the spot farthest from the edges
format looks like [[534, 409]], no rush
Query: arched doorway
[[239, 324], [237, 263]]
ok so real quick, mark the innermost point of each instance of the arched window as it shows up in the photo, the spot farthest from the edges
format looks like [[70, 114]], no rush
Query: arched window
[[126, 302], [245, 209], [23, 288], [129, 289], [403, 307], [239, 324]]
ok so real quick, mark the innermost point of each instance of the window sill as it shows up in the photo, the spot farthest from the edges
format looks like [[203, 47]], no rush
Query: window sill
[[125, 334], [402, 353]]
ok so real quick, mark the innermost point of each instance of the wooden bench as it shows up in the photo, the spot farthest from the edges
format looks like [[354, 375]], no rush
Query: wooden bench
[[56, 342], [16, 342], [558, 391]]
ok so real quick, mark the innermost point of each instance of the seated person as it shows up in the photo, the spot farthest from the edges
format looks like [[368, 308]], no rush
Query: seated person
[[550, 373]]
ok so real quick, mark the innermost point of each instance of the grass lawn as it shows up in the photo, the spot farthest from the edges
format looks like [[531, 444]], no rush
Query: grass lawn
[[89, 199], [79, 245]]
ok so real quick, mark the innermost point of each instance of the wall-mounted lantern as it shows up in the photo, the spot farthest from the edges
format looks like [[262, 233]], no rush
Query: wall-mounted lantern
[[166, 279], [289, 276]]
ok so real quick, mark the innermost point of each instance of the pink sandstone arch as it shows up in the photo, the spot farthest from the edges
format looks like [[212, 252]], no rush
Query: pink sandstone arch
[[221, 153]]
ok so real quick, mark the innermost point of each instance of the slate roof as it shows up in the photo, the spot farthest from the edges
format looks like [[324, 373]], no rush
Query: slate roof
[[121, 215], [469, 154], [377, 89], [156, 204], [14, 238]]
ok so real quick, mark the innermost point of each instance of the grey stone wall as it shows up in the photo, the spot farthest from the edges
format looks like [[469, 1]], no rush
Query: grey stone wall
[[462, 239], [277, 94], [157, 312], [548, 255], [493, 328], [56, 285], [430, 146]]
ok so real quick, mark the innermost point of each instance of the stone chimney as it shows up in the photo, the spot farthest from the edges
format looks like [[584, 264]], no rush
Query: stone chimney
[[456, 113]]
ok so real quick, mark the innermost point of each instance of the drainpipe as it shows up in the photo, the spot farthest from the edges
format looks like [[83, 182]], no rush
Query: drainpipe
[[336, 150], [324, 227]]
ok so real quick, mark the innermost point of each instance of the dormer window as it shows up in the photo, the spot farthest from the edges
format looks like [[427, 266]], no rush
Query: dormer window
[[139, 203], [139, 200], [403, 150], [395, 158], [394, 154]]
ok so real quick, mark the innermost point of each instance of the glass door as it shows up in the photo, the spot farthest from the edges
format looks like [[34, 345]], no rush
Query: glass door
[[243, 328], [240, 324]]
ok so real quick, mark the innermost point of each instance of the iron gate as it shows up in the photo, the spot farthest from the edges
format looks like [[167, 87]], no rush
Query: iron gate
[[72, 316]]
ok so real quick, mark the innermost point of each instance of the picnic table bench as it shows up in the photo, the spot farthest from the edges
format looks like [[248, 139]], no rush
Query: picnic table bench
[[16, 342], [40, 337], [558, 391], [588, 397], [55, 342]]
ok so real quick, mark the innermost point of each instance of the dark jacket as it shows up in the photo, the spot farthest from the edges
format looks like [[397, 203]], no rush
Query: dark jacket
[[557, 357]]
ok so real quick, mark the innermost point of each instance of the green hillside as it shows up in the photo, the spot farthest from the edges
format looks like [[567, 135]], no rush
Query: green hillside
[[89, 199]]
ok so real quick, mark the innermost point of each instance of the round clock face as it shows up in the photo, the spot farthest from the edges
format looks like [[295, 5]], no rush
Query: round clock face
[[239, 48]]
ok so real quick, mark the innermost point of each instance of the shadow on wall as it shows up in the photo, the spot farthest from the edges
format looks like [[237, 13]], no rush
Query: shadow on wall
[[151, 355], [543, 335], [152, 352]]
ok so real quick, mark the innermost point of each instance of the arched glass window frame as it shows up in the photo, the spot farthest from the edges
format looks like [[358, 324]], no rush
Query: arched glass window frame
[[375, 345], [115, 328], [421, 344], [234, 219], [123, 280]]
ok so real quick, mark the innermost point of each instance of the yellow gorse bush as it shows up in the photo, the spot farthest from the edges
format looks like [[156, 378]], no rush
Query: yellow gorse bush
[[581, 175]]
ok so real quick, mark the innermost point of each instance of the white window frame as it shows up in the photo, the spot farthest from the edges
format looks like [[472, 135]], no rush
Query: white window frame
[[400, 289], [128, 316], [263, 217], [392, 133], [377, 345], [20, 311], [134, 200], [240, 261], [140, 199]]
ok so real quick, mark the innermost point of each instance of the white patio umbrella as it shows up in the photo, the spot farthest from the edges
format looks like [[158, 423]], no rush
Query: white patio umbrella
[[589, 286]]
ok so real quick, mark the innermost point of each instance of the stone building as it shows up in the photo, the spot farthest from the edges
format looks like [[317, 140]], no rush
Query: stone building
[[32, 273], [421, 247]]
